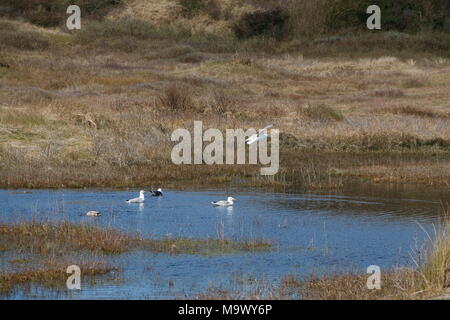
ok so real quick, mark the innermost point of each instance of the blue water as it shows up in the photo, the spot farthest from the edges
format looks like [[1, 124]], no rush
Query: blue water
[[312, 233]]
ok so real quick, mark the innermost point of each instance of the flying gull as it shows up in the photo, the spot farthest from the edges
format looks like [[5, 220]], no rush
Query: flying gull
[[259, 136]]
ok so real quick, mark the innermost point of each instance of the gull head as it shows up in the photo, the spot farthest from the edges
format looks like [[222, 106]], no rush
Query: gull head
[[231, 199], [141, 192]]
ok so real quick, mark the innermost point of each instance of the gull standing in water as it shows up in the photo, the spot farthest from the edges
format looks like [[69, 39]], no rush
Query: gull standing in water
[[157, 193], [224, 203], [139, 199], [259, 136]]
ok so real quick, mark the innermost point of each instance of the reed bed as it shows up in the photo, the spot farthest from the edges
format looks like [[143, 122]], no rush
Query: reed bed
[[60, 238]]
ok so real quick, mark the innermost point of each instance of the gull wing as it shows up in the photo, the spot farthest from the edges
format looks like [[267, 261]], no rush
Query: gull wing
[[265, 128], [261, 136]]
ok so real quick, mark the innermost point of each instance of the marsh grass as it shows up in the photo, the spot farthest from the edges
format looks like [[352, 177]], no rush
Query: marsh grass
[[398, 285], [204, 246], [60, 238], [306, 164], [52, 276], [435, 271], [57, 239]]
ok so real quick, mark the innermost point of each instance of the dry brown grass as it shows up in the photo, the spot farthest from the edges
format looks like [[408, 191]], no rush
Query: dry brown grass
[[415, 111], [76, 119], [435, 272]]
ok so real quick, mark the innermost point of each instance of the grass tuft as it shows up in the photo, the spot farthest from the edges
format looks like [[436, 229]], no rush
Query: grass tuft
[[176, 98], [320, 112]]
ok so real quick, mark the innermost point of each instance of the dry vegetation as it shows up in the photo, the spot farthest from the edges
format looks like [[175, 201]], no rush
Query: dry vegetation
[[96, 107]]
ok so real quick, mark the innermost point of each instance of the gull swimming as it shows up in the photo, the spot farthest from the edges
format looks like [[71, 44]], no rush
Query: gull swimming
[[157, 193], [139, 199], [93, 213], [224, 203], [259, 136]]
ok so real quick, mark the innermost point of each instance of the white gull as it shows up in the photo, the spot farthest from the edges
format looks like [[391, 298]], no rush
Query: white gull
[[224, 203], [139, 199]]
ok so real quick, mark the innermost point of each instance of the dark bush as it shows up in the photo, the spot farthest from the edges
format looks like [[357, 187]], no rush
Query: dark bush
[[51, 13], [191, 8], [271, 23], [400, 15], [23, 40]]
